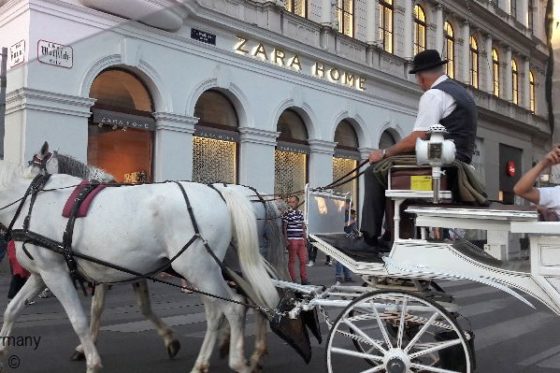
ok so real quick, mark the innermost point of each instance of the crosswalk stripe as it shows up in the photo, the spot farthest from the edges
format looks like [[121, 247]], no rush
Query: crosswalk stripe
[[474, 292], [482, 308], [144, 325], [510, 329], [547, 354]]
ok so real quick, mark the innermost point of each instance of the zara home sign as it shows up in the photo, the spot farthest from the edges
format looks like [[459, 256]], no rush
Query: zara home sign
[[292, 61]]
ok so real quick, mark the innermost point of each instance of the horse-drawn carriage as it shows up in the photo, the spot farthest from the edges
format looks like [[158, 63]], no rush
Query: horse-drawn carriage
[[400, 320]]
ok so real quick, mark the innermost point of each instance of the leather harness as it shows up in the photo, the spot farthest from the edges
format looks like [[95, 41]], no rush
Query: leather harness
[[64, 248]]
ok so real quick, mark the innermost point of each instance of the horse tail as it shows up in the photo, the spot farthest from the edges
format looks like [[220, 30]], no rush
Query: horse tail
[[252, 263], [277, 245]]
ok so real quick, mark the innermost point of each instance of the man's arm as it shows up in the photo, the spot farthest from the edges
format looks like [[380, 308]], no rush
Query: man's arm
[[525, 186], [406, 145]]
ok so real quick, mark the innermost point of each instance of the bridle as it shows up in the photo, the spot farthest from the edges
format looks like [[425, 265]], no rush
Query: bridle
[[41, 163]]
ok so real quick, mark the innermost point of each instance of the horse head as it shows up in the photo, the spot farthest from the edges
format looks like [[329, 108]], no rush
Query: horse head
[[43, 162], [56, 163]]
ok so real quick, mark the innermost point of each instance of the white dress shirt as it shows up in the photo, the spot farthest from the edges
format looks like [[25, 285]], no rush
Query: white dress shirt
[[434, 106]]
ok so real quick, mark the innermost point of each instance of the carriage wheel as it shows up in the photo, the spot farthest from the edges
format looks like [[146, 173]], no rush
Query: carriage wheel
[[397, 332]]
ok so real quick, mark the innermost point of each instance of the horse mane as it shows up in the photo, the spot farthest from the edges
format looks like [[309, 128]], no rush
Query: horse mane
[[71, 166]]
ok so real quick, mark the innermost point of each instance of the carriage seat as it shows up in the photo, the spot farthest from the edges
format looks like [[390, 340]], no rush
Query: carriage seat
[[417, 178], [408, 185]]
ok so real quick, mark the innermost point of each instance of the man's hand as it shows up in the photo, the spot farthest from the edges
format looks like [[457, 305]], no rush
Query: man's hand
[[375, 156], [553, 158]]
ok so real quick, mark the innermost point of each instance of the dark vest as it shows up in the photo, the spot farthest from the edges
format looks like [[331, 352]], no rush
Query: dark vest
[[461, 123]]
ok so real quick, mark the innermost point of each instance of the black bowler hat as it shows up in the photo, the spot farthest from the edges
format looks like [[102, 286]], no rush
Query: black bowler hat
[[426, 60]]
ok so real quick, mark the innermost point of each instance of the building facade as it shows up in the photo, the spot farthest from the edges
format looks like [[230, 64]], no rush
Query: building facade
[[273, 94]]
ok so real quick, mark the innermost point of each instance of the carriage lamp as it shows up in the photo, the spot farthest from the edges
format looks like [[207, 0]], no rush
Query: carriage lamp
[[436, 153]]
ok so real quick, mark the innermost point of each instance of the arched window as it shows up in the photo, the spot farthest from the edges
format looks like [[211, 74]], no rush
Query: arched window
[[474, 62], [514, 82], [345, 14], [496, 72], [298, 7], [346, 157], [419, 29], [290, 171], [121, 130], [215, 142], [449, 49], [385, 22], [532, 95], [387, 139]]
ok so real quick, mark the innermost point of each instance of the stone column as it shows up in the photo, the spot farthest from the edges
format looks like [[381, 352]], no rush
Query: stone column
[[439, 28], [465, 54], [256, 160], [371, 19], [489, 84], [408, 49], [321, 162], [173, 155], [35, 116], [505, 5], [523, 12], [524, 83], [326, 12], [506, 72]]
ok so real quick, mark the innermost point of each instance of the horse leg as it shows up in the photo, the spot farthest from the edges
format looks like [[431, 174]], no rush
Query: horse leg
[[213, 316], [97, 306], [235, 314], [224, 338], [61, 285], [261, 348], [30, 289], [143, 299]]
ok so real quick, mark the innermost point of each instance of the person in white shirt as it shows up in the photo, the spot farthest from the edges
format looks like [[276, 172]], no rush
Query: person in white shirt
[[548, 198], [444, 102]]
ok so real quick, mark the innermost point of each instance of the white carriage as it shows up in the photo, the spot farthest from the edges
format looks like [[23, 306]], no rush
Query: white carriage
[[401, 320]]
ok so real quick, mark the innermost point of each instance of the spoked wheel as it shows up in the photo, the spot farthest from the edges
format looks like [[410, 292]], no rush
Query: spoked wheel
[[397, 332]]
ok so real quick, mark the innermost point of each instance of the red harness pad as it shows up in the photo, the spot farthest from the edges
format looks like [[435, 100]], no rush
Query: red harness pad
[[83, 210]]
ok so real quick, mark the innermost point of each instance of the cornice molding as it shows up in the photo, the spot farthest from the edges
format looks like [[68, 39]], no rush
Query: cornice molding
[[322, 147], [258, 136], [38, 100], [175, 122]]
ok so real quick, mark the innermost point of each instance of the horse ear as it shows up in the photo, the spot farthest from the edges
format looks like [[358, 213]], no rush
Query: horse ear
[[45, 148]]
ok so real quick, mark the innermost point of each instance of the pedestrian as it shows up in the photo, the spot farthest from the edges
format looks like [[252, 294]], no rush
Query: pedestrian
[[545, 198], [312, 254], [295, 233], [343, 274]]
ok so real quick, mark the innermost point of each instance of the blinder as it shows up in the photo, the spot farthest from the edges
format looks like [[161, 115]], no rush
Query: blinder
[[41, 163]]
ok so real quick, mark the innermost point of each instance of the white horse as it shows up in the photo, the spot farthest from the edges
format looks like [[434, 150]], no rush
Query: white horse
[[139, 228], [271, 244]]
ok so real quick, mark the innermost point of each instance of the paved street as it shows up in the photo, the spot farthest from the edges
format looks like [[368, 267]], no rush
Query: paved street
[[510, 337]]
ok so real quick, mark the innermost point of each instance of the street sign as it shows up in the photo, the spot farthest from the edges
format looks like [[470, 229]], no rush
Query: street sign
[[55, 54], [16, 54]]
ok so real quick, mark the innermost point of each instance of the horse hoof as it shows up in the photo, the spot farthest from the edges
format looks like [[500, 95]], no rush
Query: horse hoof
[[78, 356], [173, 348]]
